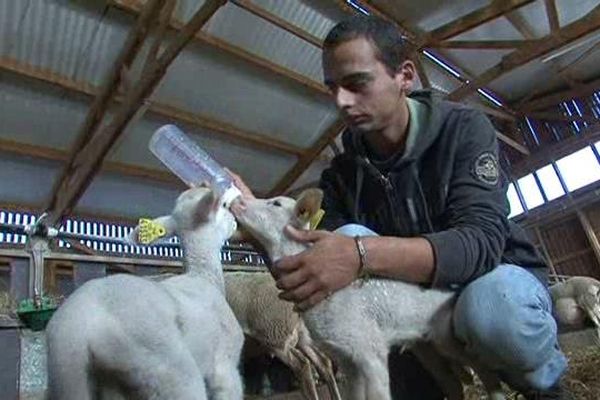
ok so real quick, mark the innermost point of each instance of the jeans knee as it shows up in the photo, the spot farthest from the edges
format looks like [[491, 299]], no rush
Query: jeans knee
[[354, 230], [506, 314]]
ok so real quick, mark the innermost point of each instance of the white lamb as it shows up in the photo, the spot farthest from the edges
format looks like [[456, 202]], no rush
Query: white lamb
[[126, 337], [358, 324], [272, 322], [575, 300]]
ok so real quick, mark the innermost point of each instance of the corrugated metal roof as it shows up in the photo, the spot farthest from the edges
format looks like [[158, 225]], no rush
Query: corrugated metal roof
[[80, 42], [258, 36], [314, 16], [38, 114]]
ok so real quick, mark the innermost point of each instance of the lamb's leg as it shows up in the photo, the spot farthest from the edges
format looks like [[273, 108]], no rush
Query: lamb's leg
[[323, 365], [302, 369], [439, 368], [225, 382]]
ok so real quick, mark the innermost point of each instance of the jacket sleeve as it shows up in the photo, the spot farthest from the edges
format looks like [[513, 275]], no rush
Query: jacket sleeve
[[476, 229], [334, 199]]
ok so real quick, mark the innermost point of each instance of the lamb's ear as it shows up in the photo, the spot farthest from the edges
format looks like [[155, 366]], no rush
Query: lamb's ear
[[149, 231], [307, 206], [207, 207]]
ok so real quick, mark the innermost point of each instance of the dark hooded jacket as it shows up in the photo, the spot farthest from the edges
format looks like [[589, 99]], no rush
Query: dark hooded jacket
[[446, 187]]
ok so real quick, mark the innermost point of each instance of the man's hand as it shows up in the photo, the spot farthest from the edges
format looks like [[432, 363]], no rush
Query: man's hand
[[330, 264], [240, 184]]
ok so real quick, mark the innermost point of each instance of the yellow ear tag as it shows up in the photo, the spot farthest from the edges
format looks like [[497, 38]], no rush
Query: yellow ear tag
[[149, 231], [316, 219]]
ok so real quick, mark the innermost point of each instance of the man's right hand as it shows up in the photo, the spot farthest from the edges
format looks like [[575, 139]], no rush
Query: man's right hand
[[240, 184]]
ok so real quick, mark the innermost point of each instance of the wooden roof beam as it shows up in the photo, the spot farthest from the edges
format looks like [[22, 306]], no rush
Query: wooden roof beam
[[552, 13], [482, 44], [548, 100], [308, 157], [472, 20], [258, 141], [79, 174], [587, 24]]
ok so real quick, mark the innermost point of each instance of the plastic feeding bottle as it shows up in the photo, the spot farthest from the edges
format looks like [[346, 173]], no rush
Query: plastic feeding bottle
[[190, 163]]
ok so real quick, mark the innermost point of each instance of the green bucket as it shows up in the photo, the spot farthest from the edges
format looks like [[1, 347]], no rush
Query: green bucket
[[33, 317]]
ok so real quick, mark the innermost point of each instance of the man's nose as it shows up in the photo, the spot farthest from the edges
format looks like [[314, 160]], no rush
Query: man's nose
[[344, 99]]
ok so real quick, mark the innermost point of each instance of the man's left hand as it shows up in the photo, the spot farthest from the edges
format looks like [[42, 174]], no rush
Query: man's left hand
[[330, 264]]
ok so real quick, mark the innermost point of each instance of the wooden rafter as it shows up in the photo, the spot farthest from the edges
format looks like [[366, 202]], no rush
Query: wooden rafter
[[548, 100], [553, 116], [472, 20], [587, 24], [278, 21], [421, 71], [482, 44], [552, 15], [167, 111], [48, 153], [308, 157], [86, 163], [525, 29], [134, 7], [512, 143], [99, 106]]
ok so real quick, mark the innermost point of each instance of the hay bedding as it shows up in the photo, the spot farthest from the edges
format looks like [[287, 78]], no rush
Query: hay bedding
[[582, 378]]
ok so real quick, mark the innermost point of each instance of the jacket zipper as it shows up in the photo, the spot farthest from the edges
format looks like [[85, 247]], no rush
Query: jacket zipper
[[390, 195]]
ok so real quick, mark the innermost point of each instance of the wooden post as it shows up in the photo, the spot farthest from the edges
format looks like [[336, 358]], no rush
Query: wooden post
[[590, 234]]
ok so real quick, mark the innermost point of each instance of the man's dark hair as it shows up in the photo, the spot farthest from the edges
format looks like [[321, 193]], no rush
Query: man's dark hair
[[391, 47]]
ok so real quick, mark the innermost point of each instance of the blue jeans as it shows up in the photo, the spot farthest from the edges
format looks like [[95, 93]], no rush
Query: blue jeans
[[504, 318]]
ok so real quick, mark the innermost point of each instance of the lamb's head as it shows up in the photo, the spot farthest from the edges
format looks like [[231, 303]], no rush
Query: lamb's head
[[195, 209], [265, 219]]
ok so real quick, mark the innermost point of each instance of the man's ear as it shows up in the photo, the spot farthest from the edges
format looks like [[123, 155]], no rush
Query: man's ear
[[307, 205], [406, 75], [149, 231]]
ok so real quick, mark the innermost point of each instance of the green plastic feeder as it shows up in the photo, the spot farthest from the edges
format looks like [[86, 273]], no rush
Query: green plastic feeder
[[36, 318]]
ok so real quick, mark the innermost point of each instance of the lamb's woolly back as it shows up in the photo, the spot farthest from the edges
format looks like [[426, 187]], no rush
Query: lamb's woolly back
[[176, 338]]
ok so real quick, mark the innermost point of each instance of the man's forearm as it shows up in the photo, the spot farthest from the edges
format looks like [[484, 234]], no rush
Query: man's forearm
[[407, 259]]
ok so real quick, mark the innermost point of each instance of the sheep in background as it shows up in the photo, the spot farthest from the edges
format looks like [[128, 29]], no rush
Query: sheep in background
[[576, 299], [127, 337], [273, 323], [358, 324]]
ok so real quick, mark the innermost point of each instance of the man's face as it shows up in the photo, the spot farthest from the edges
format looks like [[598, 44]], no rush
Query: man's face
[[367, 94]]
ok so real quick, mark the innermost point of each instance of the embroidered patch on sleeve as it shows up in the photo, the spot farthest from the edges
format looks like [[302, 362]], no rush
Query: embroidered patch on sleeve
[[485, 168]]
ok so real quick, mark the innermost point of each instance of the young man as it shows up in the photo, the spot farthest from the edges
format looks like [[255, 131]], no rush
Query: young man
[[423, 174]]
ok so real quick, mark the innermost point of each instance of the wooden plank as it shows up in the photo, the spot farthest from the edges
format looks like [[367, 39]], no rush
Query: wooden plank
[[278, 21], [512, 143], [473, 19], [589, 233], [101, 101], [482, 44], [86, 163], [421, 71], [305, 160], [552, 13], [544, 248], [587, 24], [59, 256], [587, 89]]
